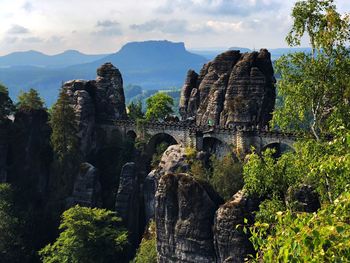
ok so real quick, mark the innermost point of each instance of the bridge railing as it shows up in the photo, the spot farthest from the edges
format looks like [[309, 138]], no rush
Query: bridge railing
[[210, 129]]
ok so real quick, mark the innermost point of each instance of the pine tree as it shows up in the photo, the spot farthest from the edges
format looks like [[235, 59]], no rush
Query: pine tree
[[30, 100], [64, 138]]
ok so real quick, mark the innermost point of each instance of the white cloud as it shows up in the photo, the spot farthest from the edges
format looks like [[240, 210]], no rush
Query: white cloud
[[17, 30], [108, 28], [173, 26], [220, 26], [28, 6], [104, 26], [222, 7]]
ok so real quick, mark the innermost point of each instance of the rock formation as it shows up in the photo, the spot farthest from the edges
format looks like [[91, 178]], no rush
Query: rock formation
[[96, 101], [234, 88], [231, 243], [128, 201], [184, 214], [87, 187], [173, 160]]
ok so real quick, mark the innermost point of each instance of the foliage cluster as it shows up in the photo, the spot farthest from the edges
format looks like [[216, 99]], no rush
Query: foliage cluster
[[147, 252], [224, 174], [315, 87], [301, 237], [64, 139], [88, 235], [30, 101], [135, 111], [11, 244], [159, 106], [315, 93]]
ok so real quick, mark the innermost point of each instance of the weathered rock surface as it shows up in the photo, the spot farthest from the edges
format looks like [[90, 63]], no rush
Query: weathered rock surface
[[128, 201], [87, 187], [234, 88], [303, 199], [184, 214], [231, 243], [94, 102], [173, 160], [110, 99]]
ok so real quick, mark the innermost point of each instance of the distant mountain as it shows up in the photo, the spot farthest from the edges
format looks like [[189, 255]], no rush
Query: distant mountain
[[212, 53], [38, 59], [242, 49], [278, 52], [275, 52], [150, 64]]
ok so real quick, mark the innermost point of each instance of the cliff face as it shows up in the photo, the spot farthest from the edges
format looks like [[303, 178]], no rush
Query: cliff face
[[233, 88], [184, 214], [95, 102]]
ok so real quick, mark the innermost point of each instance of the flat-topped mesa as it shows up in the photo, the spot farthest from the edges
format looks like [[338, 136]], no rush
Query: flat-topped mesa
[[232, 89]]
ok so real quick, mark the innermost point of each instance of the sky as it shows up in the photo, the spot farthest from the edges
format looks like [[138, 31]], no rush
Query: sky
[[104, 26]]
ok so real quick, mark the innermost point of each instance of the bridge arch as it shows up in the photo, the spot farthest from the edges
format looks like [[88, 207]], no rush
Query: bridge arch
[[158, 139], [213, 145], [131, 135], [279, 147]]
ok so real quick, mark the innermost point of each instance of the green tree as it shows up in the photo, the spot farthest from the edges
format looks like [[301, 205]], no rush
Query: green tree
[[266, 177], [303, 237], [30, 100], [64, 138], [227, 175], [315, 87], [10, 242], [6, 105], [147, 252], [159, 106], [88, 235], [135, 110]]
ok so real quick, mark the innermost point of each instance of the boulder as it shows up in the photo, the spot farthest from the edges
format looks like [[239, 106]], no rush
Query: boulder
[[184, 214]]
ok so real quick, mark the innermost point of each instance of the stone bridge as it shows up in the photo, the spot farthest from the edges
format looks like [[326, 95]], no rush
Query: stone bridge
[[238, 139]]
